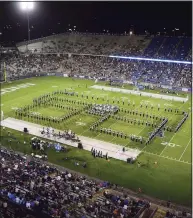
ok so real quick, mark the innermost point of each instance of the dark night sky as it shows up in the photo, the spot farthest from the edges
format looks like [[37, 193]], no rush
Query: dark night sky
[[117, 17]]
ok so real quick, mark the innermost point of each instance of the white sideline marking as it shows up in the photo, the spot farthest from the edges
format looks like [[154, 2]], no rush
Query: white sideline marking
[[185, 149]]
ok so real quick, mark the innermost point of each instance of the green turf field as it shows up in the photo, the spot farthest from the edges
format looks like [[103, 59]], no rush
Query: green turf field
[[170, 179]]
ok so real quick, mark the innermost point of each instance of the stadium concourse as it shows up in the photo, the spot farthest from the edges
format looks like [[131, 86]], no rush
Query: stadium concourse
[[114, 151]]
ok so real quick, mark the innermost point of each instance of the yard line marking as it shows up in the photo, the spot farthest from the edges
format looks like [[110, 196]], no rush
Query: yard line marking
[[166, 145], [174, 133], [185, 149]]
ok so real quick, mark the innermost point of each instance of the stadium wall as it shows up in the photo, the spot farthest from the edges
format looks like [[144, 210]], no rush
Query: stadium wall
[[64, 74]]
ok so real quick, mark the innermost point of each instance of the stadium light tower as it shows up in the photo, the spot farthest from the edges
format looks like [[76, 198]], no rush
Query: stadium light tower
[[27, 7]]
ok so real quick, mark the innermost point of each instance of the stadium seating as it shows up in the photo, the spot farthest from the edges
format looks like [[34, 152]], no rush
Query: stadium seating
[[78, 57], [97, 67], [44, 189], [163, 47], [94, 44], [29, 187]]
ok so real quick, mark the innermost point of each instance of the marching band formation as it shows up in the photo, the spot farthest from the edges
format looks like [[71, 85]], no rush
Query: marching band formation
[[105, 111]]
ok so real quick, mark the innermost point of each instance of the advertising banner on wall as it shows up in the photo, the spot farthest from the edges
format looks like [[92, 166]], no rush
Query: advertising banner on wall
[[51, 74], [166, 87], [128, 82], [185, 90]]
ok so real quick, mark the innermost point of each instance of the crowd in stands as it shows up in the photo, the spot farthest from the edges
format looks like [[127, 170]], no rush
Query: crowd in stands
[[162, 47], [100, 67], [170, 48], [44, 189], [23, 65], [171, 74], [89, 44], [145, 71]]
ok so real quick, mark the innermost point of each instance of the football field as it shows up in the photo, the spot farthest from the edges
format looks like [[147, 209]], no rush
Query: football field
[[169, 179]]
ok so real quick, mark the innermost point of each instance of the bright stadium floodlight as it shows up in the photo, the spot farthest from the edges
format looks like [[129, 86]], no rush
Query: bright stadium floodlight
[[27, 7]]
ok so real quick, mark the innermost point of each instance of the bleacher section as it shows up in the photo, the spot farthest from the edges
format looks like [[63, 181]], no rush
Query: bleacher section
[[162, 47], [103, 68], [44, 191]]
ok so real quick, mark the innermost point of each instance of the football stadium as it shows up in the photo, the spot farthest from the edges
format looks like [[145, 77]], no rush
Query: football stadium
[[96, 125]]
